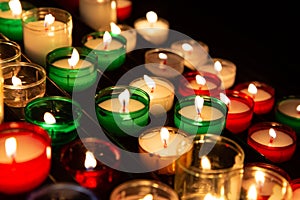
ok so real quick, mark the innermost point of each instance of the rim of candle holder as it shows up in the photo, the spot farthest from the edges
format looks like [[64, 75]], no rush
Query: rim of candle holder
[[158, 19], [13, 46], [295, 183], [282, 99], [166, 50], [245, 98]]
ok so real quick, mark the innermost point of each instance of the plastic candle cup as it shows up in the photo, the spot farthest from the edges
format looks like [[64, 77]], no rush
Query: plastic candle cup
[[110, 49], [45, 29], [23, 82], [200, 114], [71, 68], [60, 116], [226, 70], [295, 184], [10, 51], [128, 32], [199, 83], [124, 8], [277, 142], [25, 157], [164, 62], [240, 110], [160, 91], [287, 111], [122, 111], [143, 189], [262, 94], [152, 28]]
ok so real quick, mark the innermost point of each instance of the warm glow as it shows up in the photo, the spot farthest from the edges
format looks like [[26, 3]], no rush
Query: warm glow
[[187, 47], [15, 7], [49, 118], [148, 197], [162, 56], [199, 101], [252, 193], [218, 66], [200, 80], [11, 147], [298, 108], [164, 135], [49, 19], [90, 161], [205, 163], [260, 178], [224, 98], [124, 99], [272, 133], [113, 5], [16, 81], [151, 17], [74, 58], [115, 29], [150, 82], [252, 89], [48, 152], [106, 39]]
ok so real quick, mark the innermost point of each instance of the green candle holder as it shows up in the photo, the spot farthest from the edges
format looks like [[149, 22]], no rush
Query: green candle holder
[[77, 78], [113, 56], [114, 121], [194, 125], [67, 114]]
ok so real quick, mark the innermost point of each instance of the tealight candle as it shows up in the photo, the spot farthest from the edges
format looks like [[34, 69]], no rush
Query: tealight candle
[[124, 8], [122, 111], [200, 114], [152, 28], [71, 68], [226, 70], [110, 49], [240, 110], [25, 157], [160, 91], [23, 82], [262, 94], [128, 32], [164, 62], [10, 51], [287, 111], [199, 83], [277, 142], [60, 116], [45, 29]]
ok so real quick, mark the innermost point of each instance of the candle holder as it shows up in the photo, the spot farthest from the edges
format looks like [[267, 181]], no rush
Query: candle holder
[[41, 36], [227, 73], [213, 167], [240, 111], [262, 183], [110, 58], [65, 112], [277, 148], [23, 82], [76, 78], [113, 120], [92, 163], [141, 189], [295, 184], [124, 9], [164, 62], [10, 51], [26, 166], [129, 33], [264, 99], [213, 120]]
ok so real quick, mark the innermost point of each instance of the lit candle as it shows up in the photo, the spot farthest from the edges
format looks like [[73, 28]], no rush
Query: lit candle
[[160, 91], [226, 70], [124, 8], [51, 29], [25, 157], [152, 28], [128, 32], [277, 142]]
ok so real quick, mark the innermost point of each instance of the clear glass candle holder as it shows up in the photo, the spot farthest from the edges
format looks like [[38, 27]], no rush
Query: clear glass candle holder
[[10, 51], [23, 82]]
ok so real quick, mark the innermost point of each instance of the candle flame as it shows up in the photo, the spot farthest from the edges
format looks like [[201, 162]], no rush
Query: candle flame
[[49, 118], [205, 163], [11, 147], [49, 19], [48, 152], [113, 5], [150, 82], [147, 197], [200, 80], [187, 47], [252, 193], [124, 99], [298, 108], [272, 134], [115, 29], [162, 56], [151, 17], [260, 178], [252, 89], [218, 66], [16, 81], [199, 101], [74, 58], [164, 135], [106, 39], [224, 98], [90, 161], [15, 7]]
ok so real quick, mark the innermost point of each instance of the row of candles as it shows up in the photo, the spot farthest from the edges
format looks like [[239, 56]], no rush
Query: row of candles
[[191, 112]]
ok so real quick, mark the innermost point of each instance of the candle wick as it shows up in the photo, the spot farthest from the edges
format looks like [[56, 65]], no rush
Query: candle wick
[[271, 140], [152, 90], [105, 45], [124, 106], [164, 61], [165, 143]]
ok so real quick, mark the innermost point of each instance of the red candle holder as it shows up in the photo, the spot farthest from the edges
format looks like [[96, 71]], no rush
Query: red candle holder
[[264, 99], [124, 8], [28, 164], [295, 184], [277, 149], [240, 111], [188, 85]]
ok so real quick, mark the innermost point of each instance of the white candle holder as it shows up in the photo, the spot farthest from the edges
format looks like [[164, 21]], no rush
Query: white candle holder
[[10, 51]]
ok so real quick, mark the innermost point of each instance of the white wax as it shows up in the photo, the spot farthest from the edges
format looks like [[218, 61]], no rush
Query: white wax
[[228, 72], [195, 86], [236, 106], [115, 106], [208, 113], [282, 139], [38, 42], [8, 15], [261, 94], [97, 44], [63, 63], [288, 107]]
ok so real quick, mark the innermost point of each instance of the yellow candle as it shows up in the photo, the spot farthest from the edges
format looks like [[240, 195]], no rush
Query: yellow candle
[[115, 106]]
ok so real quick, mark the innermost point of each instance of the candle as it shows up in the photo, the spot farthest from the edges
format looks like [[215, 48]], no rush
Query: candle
[[199, 83], [60, 116], [98, 14], [25, 157], [200, 114], [71, 68], [45, 29], [164, 62], [295, 184], [10, 51], [160, 91], [226, 70], [152, 28], [277, 142], [23, 82], [158, 148], [124, 8], [240, 110], [110, 49], [122, 111], [128, 32], [262, 94], [287, 111]]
